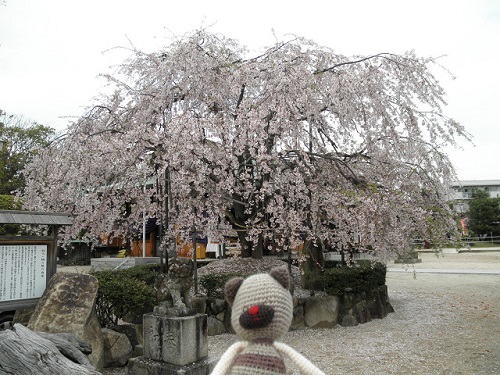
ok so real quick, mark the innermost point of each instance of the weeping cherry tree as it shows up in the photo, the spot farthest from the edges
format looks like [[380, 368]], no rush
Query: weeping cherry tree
[[298, 144]]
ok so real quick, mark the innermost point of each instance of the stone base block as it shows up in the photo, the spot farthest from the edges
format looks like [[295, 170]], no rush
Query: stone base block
[[175, 340], [146, 366]]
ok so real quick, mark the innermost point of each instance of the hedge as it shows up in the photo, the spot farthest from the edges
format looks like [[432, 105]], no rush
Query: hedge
[[131, 292], [363, 276], [214, 284], [125, 292]]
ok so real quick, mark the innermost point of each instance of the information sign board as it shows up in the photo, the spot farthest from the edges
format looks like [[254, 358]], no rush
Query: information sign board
[[23, 271]]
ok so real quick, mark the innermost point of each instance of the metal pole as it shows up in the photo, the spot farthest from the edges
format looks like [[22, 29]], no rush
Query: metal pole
[[144, 236], [195, 263], [53, 265], [144, 224], [166, 217]]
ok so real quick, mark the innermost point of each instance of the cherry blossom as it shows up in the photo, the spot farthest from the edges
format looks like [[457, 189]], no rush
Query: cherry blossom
[[296, 143]]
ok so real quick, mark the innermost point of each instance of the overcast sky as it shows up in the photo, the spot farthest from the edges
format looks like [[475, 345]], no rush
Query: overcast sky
[[52, 51]]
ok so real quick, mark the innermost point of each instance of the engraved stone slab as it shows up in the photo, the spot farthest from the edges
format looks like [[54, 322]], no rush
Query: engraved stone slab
[[68, 305], [175, 340]]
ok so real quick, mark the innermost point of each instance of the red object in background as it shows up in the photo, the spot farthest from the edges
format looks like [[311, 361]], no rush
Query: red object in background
[[464, 227]]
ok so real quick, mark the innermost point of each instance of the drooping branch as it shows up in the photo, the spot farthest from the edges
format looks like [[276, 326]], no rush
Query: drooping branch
[[384, 55]]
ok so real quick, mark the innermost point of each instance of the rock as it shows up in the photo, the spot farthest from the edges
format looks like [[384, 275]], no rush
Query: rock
[[215, 326], [216, 306], [378, 302], [117, 348], [361, 312], [131, 331], [384, 299], [68, 305], [298, 318], [321, 312], [348, 320], [376, 305], [348, 300], [221, 316]]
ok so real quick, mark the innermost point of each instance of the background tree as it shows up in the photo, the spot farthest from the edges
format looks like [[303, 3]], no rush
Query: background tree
[[21, 138], [484, 214], [298, 143], [8, 202]]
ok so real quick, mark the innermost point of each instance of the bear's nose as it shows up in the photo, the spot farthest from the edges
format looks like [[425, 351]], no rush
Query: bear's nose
[[256, 316], [254, 310]]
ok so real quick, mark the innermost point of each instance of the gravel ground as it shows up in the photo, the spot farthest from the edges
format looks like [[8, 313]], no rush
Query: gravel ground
[[442, 324]]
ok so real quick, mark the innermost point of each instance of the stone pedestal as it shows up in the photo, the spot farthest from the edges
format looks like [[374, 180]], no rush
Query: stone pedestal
[[175, 340], [173, 345]]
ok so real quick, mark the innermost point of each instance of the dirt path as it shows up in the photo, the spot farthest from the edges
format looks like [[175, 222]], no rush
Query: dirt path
[[443, 324]]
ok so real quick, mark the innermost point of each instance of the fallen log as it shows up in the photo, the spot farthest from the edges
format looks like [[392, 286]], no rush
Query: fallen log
[[24, 352], [70, 346]]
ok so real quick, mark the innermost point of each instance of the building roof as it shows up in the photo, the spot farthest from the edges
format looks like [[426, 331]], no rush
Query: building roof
[[477, 183], [31, 217]]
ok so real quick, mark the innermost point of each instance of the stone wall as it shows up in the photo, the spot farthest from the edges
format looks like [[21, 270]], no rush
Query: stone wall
[[348, 310]]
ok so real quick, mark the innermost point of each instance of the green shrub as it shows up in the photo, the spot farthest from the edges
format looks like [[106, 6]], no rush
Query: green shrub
[[214, 284], [8, 202], [148, 273], [361, 277], [125, 292]]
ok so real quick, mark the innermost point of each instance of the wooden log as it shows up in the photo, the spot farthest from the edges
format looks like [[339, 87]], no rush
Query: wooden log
[[68, 338], [70, 346], [24, 352]]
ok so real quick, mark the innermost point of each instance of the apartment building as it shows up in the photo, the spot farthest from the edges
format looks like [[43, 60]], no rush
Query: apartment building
[[463, 190]]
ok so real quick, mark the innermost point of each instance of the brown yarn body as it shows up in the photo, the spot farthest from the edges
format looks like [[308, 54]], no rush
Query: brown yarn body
[[259, 358]]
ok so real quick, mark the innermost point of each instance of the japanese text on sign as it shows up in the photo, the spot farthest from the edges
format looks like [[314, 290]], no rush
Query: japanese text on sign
[[23, 271]]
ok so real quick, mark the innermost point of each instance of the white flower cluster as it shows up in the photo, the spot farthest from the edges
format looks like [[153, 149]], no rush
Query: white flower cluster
[[296, 144]]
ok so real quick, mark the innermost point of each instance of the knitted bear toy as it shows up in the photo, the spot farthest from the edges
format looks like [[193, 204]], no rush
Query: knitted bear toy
[[262, 311]]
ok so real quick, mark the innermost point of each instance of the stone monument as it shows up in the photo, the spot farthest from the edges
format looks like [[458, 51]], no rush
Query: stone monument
[[173, 291], [68, 305], [175, 336]]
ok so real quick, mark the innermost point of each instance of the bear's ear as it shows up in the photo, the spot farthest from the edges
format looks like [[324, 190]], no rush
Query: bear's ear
[[231, 288], [281, 275]]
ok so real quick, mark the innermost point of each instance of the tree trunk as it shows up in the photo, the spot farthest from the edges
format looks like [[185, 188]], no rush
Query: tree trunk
[[24, 352], [247, 247], [258, 251], [314, 265], [315, 258]]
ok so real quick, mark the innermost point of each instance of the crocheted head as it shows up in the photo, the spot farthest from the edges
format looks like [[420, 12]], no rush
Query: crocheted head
[[262, 306]]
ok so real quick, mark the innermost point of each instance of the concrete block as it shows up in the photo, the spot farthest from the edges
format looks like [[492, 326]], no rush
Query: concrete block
[[146, 260]]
